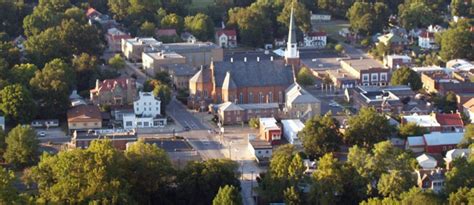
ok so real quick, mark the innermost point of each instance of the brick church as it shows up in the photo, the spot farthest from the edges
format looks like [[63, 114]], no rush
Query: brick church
[[248, 81]]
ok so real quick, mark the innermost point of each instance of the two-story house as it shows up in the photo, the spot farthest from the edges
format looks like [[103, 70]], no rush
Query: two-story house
[[146, 113], [316, 39], [119, 91], [226, 38]]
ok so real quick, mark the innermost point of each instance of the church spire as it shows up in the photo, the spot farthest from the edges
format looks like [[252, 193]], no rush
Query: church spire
[[291, 54]]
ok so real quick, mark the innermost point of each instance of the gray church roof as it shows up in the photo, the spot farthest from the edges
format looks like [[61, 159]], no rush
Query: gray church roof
[[254, 73], [228, 82], [202, 76]]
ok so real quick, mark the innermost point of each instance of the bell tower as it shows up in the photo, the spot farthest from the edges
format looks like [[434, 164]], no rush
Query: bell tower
[[292, 55]]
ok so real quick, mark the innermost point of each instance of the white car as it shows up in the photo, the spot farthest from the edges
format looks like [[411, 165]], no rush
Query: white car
[[42, 134]]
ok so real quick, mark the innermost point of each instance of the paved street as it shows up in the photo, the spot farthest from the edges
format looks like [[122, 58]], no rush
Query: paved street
[[178, 112]]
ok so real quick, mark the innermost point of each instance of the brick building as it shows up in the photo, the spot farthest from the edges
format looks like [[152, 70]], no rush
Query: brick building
[[367, 71], [119, 91]]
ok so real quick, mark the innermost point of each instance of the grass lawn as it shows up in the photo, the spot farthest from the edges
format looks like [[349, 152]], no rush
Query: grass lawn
[[331, 27], [201, 3]]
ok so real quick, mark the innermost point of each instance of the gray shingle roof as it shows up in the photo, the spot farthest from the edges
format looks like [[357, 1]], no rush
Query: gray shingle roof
[[202, 76], [228, 82], [254, 74]]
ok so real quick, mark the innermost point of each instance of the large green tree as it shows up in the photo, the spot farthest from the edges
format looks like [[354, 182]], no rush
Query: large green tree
[[457, 43], [23, 73], [468, 138], [406, 76], [395, 182], [81, 176], [3, 144], [410, 129], [46, 46], [17, 103], [200, 26], [227, 195], [255, 27], [417, 15], [86, 71], [320, 135], [327, 181], [22, 146], [199, 182], [173, 21], [149, 172], [461, 175], [51, 87], [367, 127], [147, 29], [292, 196], [368, 18], [462, 8], [301, 16], [8, 193], [463, 195], [305, 77]]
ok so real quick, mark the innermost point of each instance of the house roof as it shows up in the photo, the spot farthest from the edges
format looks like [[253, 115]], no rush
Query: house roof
[[227, 32], [469, 105], [445, 119], [254, 73], [293, 124], [295, 94], [83, 113], [422, 120], [438, 138], [92, 11], [416, 141], [390, 38], [229, 106], [316, 33], [260, 144], [202, 76], [268, 123], [110, 84], [427, 161], [181, 69], [256, 106], [455, 153], [166, 32]]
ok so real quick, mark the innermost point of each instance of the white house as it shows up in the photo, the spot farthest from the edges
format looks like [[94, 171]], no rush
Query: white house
[[260, 149], [451, 155], [468, 109], [226, 38], [147, 113], [427, 162], [291, 128], [315, 39], [426, 40], [459, 65]]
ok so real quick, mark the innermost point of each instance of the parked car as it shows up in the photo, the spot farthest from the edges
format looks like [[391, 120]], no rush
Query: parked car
[[42, 134]]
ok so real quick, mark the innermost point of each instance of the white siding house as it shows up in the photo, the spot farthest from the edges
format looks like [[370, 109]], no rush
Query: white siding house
[[291, 128], [147, 113]]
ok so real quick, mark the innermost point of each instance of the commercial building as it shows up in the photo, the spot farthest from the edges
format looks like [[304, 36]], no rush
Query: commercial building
[[269, 130], [299, 103], [118, 138], [133, 48], [147, 113], [291, 128], [114, 38], [367, 71], [154, 62], [84, 117]]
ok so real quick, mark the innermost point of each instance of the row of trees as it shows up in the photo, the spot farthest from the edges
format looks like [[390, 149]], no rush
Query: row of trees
[[141, 175], [381, 175]]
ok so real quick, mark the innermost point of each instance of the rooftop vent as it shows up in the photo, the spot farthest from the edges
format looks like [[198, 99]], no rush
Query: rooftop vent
[[245, 59]]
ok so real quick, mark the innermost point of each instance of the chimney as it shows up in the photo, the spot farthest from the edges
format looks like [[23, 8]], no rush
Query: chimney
[[245, 59], [97, 84], [231, 60], [258, 59], [271, 58]]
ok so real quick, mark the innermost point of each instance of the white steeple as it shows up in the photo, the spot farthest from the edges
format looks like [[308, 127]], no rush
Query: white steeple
[[292, 46]]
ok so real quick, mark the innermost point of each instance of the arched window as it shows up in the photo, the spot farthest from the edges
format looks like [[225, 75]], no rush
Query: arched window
[[270, 97], [241, 98], [260, 97], [250, 97]]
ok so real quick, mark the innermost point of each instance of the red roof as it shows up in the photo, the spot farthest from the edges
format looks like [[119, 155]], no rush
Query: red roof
[[449, 119], [227, 32], [317, 33], [166, 32], [83, 113], [92, 11], [109, 84], [426, 34]]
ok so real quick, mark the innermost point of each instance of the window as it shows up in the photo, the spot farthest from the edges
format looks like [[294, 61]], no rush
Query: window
[[139, 123], [280, 97], [365, 77], [383, 76], [128, 123], [250, 97], [146, 124], [260, 97], [95, 123], [270, 97], [241, 98], [85, 124], [259, 152], [266, 152], [375, 77]]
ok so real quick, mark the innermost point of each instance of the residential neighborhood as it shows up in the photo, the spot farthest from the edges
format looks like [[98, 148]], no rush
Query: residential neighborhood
[[245, 102]]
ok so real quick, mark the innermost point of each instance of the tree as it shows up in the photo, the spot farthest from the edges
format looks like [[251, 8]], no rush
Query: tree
[[149, 172], [339, 48], [163, 77], [468, 138], [367, 127], [199, 182], [3, 145], [296, 169], [147, 29], [85, 67], [51, 87], [406, 76], [380, 50], [173, 21], [368, 18], [461, 175], [305, 77], [456, 43], [17, 103], [337, 8], [23, 73], [301, 16], [22, 146], [118, 8], [163, 92], [10, 53], [46, 46], [418, 196], [394, 183], [292, 196], [463, 195], [254, 123], [410, 129], [227, 195], [417, 15], [461, 8], [327, 181], [117, 62], [320, 135], [254, 26], [280, 161], [81, 176], [80, 38], [8, 194], [447, 103], [200, 26]]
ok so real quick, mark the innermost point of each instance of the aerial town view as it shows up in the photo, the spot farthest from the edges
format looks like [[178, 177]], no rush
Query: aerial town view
[[237, 102]]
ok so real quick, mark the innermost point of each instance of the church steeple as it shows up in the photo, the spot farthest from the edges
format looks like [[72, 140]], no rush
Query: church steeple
[[291, 54]]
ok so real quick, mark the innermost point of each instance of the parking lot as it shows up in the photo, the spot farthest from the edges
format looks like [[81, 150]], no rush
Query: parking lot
[[54, 135]]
